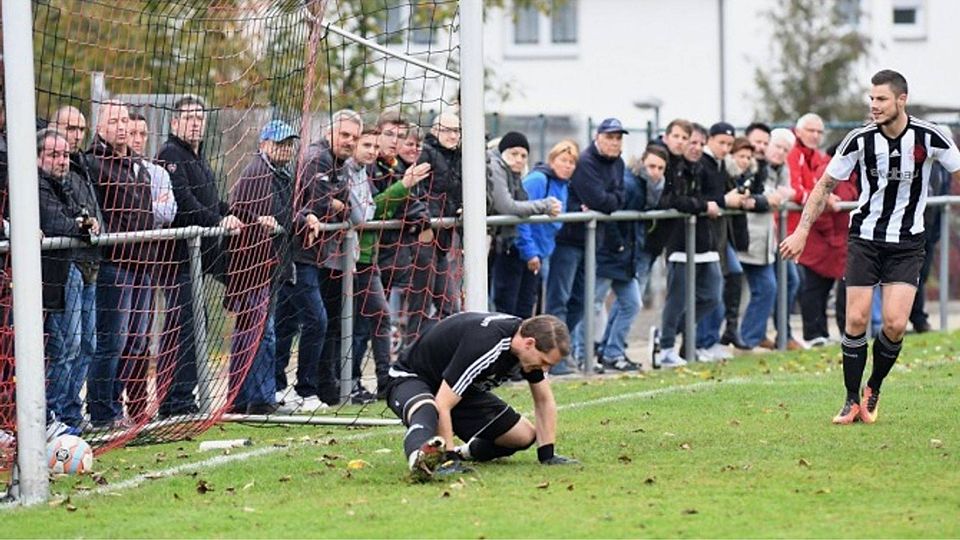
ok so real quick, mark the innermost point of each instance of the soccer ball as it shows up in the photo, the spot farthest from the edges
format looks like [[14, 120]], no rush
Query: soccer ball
[[69, 454]]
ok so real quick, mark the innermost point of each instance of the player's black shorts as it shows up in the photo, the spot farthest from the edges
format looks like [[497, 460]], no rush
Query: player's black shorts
[[480, 414], [872, 263]]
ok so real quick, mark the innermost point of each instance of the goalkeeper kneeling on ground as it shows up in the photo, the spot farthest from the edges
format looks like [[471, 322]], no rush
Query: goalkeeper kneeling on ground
[[440, 387]]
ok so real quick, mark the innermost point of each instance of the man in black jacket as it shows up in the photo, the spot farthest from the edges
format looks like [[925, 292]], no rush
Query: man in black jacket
[[596, 184], [198, 203], [433, 279], [692, 188], [58, 218], [308, 304], [123, 189]]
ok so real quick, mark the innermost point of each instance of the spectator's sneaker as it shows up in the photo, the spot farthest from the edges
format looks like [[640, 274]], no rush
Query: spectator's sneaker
[[796, 345], [653, 347], [362, 396], [426, 459], [818, 341], [849, 414], [620, 364], [767, 343], [262, 409], [57, 428], [669, 359], [704, 355], [7, 440], [720, 352], [296, 404], [869, 405]]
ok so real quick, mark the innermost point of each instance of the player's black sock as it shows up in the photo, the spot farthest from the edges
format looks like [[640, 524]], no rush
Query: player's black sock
[[486, 450], [885, 353], [423, 425], [854, 362]]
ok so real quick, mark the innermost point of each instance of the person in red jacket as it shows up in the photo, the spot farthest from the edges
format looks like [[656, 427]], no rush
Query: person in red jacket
[[822, 265]]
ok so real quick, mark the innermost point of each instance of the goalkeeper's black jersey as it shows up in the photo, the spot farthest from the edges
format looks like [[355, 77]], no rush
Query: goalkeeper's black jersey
[[470, 350]]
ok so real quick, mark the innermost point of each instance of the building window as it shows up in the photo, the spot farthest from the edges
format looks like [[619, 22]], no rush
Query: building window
[[537, 34], [909, 20], [526, 26], [563, 21], [399, 21]]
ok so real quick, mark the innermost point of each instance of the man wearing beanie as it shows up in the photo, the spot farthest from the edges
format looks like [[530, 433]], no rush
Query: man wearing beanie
[[505, 195], [597, 184]]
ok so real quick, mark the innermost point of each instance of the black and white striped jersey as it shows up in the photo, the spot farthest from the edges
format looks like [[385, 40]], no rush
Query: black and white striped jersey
[[894, 177], [469, 350]]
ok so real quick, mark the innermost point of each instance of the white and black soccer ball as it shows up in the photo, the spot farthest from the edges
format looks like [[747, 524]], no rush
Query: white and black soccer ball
[[69, 454]]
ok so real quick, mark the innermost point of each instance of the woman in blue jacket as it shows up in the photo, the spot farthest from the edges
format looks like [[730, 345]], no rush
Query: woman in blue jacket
[[536, 241]]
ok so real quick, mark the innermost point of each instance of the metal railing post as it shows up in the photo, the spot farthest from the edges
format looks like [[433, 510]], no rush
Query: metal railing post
[[690, 299], [589, 293], [944, 265], [783, 309], [346, 316], [204, 373]]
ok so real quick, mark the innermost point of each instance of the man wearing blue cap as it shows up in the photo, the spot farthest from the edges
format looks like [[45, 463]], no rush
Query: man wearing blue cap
[[596, 184], [259, 262]]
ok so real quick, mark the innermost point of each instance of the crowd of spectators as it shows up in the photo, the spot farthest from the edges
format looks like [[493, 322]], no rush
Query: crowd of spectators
[[282, 257]]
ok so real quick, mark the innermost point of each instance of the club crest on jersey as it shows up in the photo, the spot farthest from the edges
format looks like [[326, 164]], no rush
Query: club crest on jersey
[[919, 153]]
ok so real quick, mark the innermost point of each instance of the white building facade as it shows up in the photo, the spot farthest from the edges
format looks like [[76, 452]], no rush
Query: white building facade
[[687, 58]]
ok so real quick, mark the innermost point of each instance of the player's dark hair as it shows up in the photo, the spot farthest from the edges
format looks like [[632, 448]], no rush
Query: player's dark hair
[[755, 126], [549, 333], [895, 80]]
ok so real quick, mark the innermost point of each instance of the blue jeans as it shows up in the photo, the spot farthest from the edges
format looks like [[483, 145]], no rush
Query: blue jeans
[[79, 331], [177, 366], [565, 285], [624, 310], [57, 369], [762, 280], [300, 310], [253, 351], [135, 359], [708, 297], [708, 330], [116, 288], [793, 287], [371, 321]]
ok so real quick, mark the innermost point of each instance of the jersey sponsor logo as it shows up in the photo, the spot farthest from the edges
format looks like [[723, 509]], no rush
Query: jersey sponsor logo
[[894, 175]]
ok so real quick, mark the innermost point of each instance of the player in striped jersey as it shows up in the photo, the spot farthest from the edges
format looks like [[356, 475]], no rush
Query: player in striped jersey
[[441, 386], [895, 154]]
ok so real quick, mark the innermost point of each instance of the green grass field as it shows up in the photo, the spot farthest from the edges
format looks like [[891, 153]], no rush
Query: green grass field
[[740, 450]]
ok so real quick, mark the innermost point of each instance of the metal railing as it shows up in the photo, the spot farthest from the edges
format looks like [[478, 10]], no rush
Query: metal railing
[[194, 234]]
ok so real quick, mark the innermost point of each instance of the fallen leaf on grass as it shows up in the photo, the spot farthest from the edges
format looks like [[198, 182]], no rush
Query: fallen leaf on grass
[[248, 485], [203, 487], [445, 495], [543, 485], [176, 497], [651, 480], [58, 502], [248, 509], [625, 459], [382, 451], [153, 476], [936, 443], [570, 487], [357, 464], [285, 478], [823, 491], [70, 508], [685, 446], [690, 511], [803, 462]]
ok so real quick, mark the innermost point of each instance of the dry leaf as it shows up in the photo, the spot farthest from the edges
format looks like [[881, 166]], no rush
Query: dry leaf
[[625, 459], [570, 487], [690, 511], [445, 494], [936, 443], [543, 485], [248, 509], [685, 446], [203, 487], [823, 491], [70, 508], [803, 462], [285, 478], [248, 485], [650, 480], [357, 464]]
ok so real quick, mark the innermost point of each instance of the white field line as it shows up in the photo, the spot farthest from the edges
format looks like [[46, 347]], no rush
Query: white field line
[[217, 461]]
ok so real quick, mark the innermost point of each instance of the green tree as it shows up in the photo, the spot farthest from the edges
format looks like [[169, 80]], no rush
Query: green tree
[[816, 46]]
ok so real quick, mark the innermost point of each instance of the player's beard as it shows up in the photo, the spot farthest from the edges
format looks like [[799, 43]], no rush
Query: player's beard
[[892, 118]]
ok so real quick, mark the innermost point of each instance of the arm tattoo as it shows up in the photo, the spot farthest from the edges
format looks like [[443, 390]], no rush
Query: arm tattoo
[[816, 202]]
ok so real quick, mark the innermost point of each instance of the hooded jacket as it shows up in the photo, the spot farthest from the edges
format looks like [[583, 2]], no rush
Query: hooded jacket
[[56, 219], [505, 195], [442, 191], [688, 188]]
